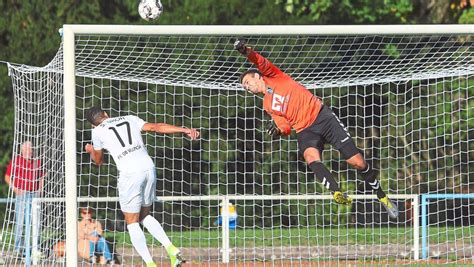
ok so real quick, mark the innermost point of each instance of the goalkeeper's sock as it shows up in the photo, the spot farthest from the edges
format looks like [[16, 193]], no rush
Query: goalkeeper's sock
[[139, 242], [371, 181], [155, 229], [324, 176]]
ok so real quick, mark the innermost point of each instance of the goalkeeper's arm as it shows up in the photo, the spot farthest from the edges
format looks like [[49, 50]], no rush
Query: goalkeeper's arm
[[278, 126], [265, 66], [242, 47]]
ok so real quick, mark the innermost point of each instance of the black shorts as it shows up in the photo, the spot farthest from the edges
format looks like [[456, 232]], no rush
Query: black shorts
[[327, 128]]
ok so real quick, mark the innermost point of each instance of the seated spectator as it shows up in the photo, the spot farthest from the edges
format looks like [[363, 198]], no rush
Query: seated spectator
[[91, 240]]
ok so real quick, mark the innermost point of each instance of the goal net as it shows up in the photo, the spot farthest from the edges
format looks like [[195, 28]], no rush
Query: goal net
[[405, 93]]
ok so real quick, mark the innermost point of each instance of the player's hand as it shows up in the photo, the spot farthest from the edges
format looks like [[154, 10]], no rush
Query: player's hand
[[272, 129], [192, 133], [88, 148], [241, 46]]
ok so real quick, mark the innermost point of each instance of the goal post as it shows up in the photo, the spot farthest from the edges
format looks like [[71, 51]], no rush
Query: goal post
[[405, 92], [70, 148]]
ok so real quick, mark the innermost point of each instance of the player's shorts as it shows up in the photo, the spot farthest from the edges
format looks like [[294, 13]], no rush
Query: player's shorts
[[136, 190], [327, 128]]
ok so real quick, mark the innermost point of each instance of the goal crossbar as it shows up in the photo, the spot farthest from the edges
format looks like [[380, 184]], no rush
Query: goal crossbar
[[271, 29]]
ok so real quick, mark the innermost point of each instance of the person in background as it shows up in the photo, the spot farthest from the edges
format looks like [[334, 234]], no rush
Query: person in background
[[25, 177], [91, 240]]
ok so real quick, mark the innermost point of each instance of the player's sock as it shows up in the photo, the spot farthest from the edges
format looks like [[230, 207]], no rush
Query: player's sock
[[172, 250], [371, 181], [155, 229], [175, 255], [324, 176], [139, 242]]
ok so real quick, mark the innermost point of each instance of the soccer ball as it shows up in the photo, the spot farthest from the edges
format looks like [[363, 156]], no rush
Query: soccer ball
[[150, 9]]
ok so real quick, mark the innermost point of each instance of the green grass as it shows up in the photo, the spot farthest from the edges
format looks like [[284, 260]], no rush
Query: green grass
[[250, 238], [302, 236], [309, 236]]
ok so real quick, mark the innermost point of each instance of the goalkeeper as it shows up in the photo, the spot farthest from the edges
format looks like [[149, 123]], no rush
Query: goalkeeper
[[291, 105], [121, 136]]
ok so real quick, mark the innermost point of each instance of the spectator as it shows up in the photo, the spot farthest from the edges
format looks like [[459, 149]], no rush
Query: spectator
[[25, 176], [91, 239]]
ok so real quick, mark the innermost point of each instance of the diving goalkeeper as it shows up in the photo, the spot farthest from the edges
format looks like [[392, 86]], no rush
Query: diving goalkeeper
[[291, 105]]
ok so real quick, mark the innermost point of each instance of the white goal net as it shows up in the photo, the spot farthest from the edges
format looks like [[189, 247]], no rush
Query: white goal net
[[405, 93]]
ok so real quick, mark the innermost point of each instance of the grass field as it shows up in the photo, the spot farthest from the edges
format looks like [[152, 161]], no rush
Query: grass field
[[309, 236], [206, 244], [302, 236]]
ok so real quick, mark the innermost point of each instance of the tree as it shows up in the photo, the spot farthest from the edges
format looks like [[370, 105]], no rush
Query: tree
[[350, 11], [379, 12]]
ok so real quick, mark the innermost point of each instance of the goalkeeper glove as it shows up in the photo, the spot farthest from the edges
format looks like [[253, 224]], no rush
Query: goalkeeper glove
[[240, 46], [272, 129]]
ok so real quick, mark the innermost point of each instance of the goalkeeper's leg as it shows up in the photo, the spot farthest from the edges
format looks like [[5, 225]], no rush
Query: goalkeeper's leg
[[324, 176], [370, 179]]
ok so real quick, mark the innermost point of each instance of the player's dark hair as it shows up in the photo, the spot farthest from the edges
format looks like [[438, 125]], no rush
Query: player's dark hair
[[94, 115], [251, 71]]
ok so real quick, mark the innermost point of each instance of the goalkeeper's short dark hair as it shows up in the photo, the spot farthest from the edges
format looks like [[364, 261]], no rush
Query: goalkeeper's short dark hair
[[250, 71], [94, 115]]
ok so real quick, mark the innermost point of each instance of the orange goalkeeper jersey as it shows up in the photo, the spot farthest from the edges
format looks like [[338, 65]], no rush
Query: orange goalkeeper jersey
[[289, 103]]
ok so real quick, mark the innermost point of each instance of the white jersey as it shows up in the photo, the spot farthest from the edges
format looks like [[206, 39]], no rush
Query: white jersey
[[121, 136]]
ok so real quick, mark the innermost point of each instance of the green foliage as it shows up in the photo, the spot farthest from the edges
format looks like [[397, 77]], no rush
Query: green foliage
[[230, 12], [351, 12], [467, 16]]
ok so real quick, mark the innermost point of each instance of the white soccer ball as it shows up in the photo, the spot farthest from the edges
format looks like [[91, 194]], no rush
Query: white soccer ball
[[150, 9]]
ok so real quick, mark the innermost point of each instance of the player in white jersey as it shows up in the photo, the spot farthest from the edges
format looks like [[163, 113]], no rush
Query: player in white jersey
[[121, 136]]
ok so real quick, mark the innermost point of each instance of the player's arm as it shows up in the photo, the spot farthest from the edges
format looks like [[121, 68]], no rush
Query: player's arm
[[278, 126], [96, 155], [165, 128], [263, 65]]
